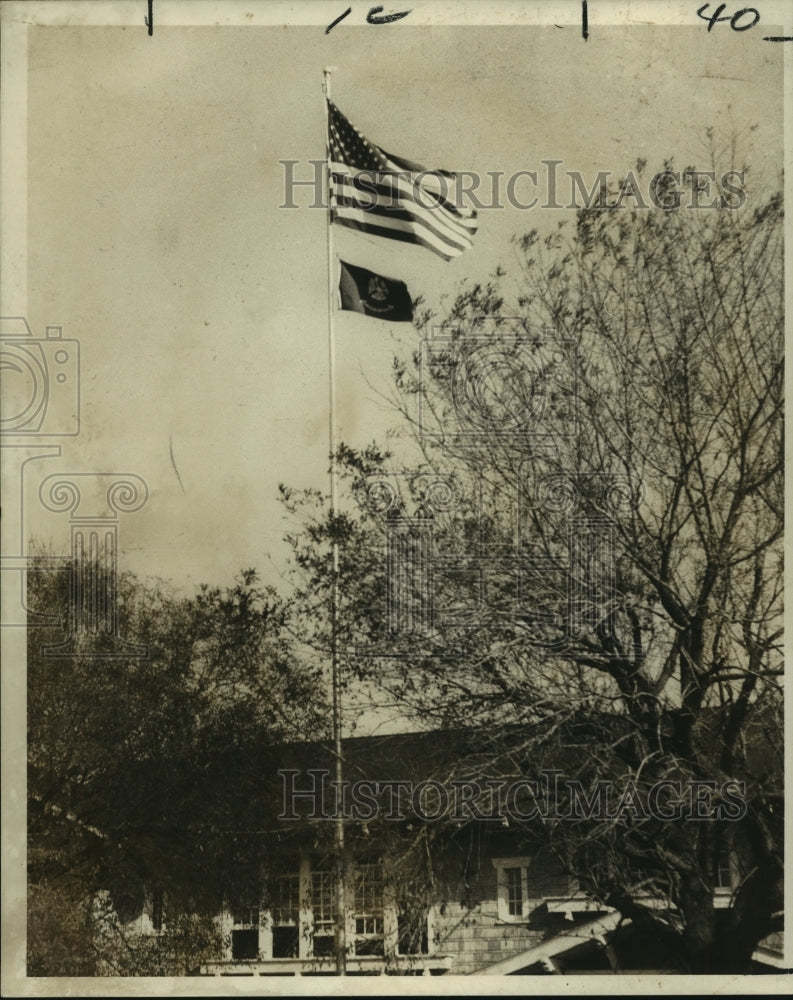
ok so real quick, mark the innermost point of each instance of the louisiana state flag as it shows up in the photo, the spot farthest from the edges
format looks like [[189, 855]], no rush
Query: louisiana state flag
[[365, 292]]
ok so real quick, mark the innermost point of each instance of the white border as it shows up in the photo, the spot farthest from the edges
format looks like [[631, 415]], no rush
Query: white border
[[17, 17]]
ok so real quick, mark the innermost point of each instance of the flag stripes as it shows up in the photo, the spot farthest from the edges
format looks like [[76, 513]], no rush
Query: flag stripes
[[391, 201], [387, 196]]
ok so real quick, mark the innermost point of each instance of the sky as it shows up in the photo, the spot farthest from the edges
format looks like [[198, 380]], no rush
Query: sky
[[156, 239]]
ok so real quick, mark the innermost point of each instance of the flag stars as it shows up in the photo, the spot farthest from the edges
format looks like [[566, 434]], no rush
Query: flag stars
[[394, 209]]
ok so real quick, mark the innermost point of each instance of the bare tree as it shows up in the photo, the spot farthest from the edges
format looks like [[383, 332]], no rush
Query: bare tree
[[600, 496]]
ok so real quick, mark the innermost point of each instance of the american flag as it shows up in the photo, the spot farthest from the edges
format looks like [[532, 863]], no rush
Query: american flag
[[385, 195]]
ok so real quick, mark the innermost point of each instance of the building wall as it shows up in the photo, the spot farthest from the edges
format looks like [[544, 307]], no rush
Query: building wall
[[471, 926], [470, 918], [475, 938]]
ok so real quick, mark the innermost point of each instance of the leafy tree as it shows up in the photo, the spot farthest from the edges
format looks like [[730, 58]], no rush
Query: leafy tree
[[600, 487], [141, 769]]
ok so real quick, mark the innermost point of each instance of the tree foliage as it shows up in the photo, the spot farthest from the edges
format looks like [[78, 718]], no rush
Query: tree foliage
[[141, 774]]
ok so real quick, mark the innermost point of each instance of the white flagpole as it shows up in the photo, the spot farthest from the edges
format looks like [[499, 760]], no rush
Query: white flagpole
[[341, 916]]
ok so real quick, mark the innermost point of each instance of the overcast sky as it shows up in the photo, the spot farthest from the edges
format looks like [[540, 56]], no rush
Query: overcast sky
[[155, 235]]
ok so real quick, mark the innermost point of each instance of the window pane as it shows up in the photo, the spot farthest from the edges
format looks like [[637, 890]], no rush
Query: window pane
[[369, 909], [285, 942], [322, 906], [286, 900], [245, 945], [324, 946], [370, 946], [322, 896], [514, 892], [412, 932], [246, 916], [156, 910], [724, 870], [369, 889]]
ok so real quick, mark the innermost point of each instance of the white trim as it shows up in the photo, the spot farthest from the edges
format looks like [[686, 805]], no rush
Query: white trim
[[767, 956], [501, 866], [306, 921], [355, 963]]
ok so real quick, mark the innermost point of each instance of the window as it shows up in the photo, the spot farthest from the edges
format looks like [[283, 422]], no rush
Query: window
[[514, 878], [368, 914], [245, 944], [245, 934], [412, 931], [285, 915], [156, 910], [724, 869], [246, 916], [286, 899], [322, 907], [512, 888]]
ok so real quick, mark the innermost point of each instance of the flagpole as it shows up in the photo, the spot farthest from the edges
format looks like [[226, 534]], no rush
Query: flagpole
[[341, 930]]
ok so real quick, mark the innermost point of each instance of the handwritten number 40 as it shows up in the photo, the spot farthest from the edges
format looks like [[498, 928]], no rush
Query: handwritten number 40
[[735, 19]]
